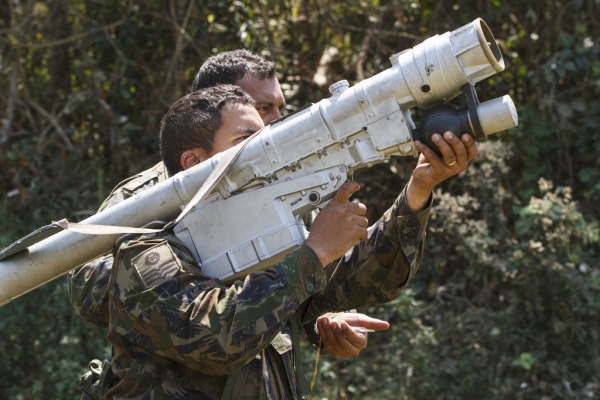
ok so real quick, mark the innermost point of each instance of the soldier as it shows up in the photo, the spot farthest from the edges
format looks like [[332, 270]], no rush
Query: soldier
[[87, 285], [178, 334]]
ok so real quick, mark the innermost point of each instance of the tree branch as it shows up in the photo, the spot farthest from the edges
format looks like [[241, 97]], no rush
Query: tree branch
[[58, 42], [179, 46]]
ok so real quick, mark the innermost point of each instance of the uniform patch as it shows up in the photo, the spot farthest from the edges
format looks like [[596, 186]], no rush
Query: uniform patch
[[156, 265]]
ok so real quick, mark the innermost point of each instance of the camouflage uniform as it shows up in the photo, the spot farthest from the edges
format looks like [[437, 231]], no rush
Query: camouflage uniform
[[177, 334]]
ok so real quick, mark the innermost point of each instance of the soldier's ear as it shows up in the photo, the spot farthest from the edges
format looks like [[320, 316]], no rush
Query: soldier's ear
[[191, 157]]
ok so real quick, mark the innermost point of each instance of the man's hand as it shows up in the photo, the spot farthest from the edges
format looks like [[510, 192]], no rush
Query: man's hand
[[432, 169], [338, 226], [340, 339]]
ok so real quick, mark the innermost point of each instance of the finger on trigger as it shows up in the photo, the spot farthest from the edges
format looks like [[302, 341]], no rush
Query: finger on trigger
[[345, 191]]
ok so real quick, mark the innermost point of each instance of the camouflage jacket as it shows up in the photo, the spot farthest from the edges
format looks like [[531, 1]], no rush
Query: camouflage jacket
[[371, 273], [88, 284], [178, 334]]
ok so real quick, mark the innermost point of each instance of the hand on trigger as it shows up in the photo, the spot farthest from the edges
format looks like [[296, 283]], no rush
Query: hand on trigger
[[338, 226]]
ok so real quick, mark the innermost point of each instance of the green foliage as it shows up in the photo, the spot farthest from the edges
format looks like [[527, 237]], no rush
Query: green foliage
[[506, 303]]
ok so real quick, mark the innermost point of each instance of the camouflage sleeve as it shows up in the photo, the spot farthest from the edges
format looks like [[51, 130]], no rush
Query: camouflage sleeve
[[163, 303], [376, 270], [88, 290]]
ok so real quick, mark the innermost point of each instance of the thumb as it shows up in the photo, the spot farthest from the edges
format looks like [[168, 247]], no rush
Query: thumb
[[365, 321], [375, 324], [345, 191]]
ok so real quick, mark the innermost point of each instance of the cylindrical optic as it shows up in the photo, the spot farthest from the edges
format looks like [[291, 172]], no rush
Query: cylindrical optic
[[497, 115]]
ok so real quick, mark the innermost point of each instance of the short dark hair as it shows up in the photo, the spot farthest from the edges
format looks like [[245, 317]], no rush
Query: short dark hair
[[231, 66], [193, 120]]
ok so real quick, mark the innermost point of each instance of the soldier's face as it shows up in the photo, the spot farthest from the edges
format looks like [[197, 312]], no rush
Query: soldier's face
[[238, 123], [267, 94]]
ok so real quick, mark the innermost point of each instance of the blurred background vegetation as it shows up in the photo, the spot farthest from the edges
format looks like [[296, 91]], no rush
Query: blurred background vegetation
[[506, 303]]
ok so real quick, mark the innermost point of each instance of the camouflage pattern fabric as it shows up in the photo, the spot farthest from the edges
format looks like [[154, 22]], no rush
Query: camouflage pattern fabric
[[150, 338], [376, 270], [88, 290], [178, 334]]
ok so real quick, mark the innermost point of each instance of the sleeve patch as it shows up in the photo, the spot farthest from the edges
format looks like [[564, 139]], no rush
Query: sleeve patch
[[156, 265]]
